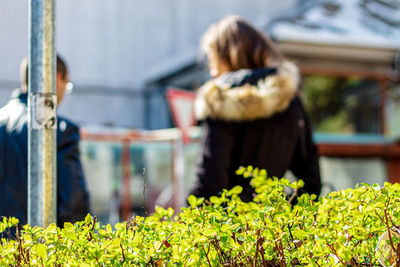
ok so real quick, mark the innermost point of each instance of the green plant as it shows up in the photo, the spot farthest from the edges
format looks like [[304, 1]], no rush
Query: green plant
[[342, 228], [329, 102]]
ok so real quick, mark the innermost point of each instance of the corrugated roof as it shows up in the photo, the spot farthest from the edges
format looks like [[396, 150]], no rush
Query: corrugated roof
[[365, 23]]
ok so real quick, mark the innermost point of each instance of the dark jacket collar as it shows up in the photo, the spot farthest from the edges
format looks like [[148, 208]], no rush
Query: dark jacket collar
[[245, 76], [22, 96]]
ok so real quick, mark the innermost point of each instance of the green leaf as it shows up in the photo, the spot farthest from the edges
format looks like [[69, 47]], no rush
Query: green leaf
[[52, 228], [41, 250], [300, 234], [241, 170], [109, 228], [235, 190], [300, 183], [88, 219], [70, 235], [210, 232], [192, 200], [68, 226], [215, 200]]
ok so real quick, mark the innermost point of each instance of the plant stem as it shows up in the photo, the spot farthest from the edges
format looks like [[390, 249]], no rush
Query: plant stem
[[208, 260], [334, 252], [388, 228], [165, 240], [122, 250]]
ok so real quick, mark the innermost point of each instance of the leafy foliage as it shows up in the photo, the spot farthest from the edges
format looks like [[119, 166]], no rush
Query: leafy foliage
[[342, 228], [328, 102]]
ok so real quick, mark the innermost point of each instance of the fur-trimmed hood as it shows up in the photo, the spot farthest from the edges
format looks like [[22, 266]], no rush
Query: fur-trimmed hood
[[271, 95]]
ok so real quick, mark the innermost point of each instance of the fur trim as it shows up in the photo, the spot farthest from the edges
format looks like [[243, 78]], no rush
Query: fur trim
[[248, 102]]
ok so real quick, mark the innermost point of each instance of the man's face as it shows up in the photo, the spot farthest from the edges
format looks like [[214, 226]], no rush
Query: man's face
[[61, 83]]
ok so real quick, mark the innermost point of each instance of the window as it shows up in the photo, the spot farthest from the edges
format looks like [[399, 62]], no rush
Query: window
[[342, 104]]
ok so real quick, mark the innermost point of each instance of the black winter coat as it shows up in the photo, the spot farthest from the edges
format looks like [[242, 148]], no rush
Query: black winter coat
[[72, 195], [254, 117]]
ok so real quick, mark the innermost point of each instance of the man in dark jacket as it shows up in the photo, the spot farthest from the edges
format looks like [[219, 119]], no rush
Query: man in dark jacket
[[72, 195]]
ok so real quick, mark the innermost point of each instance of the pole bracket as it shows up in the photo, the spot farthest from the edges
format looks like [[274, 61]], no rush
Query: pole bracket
[[43, 110]]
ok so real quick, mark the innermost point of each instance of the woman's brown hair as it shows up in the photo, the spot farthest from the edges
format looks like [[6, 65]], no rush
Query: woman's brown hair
[[235, 44]]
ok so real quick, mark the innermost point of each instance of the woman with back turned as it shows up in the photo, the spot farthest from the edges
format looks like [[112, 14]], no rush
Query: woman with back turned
[[251, 113]]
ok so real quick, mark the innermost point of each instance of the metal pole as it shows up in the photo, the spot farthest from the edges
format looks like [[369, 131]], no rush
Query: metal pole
[[126, 180], [179, 173], [42, 121]]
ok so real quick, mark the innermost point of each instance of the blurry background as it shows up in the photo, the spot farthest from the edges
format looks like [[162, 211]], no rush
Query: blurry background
[[116, 49], [123, 55]]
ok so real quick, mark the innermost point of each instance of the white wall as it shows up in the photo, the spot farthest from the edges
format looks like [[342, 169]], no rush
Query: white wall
[[13, 38], [119, 44]]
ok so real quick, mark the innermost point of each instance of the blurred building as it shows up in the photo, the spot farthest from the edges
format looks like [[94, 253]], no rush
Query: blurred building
[[116, 48], [358, 40]]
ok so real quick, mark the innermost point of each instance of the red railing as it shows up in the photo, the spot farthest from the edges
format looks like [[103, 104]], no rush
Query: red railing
[[126, 138]]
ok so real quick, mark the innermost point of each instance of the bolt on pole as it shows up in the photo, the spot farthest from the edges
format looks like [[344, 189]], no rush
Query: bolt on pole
[[42, 120]]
